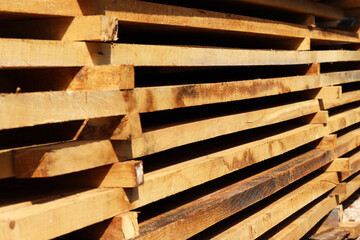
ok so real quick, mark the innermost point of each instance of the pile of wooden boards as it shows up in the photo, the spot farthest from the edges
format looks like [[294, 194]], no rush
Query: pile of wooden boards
[[129, 119]]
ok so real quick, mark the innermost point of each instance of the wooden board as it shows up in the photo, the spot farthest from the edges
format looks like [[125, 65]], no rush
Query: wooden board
[[331, 234], [302, 6], [338, 165], [271, 215], [128, 174], [54, 160], [348, 97], [29, 109], [191, 218], [84, 28], [343, 120], [19, 53], [58, 217], [299, 227], [185, 133], [345, 189], [130, 11], [347, 142], [176, 178], [150, 55]]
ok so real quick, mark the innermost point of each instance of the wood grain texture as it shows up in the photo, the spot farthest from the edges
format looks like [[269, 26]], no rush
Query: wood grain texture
[[274, 213], [176, 178], [6, 164], [191, 218], [185, 133], [308, 219]]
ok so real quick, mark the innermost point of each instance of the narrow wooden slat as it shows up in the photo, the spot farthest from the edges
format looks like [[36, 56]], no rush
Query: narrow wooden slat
[[58, 217], [173, 179], [268, 217], [84, 28], [191, 218], [178, 135], [345, 189]]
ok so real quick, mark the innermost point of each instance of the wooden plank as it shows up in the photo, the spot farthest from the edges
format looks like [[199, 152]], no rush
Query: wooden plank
[[170, 97], [29, 109], [150, 55], [54, 160], [185, 133], [299, 227], [189, 219], [345, 3], [174, 179], [343, 120], [333, 92], [319, 117], [58, 217], [348, 97], [6, 164], [336, 78], [302, 6], [128, 174], [103, 78], [274, 213], [338, 165], [125, 127], [160, 14], [48, 8], [347, 142], [82, 28], [18, 53]]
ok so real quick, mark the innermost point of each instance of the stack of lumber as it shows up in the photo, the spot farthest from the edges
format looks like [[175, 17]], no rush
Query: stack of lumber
[[129, 119]]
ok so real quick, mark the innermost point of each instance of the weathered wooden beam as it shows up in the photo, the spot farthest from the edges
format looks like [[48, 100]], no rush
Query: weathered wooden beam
[[191, 218], [274, 213]]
